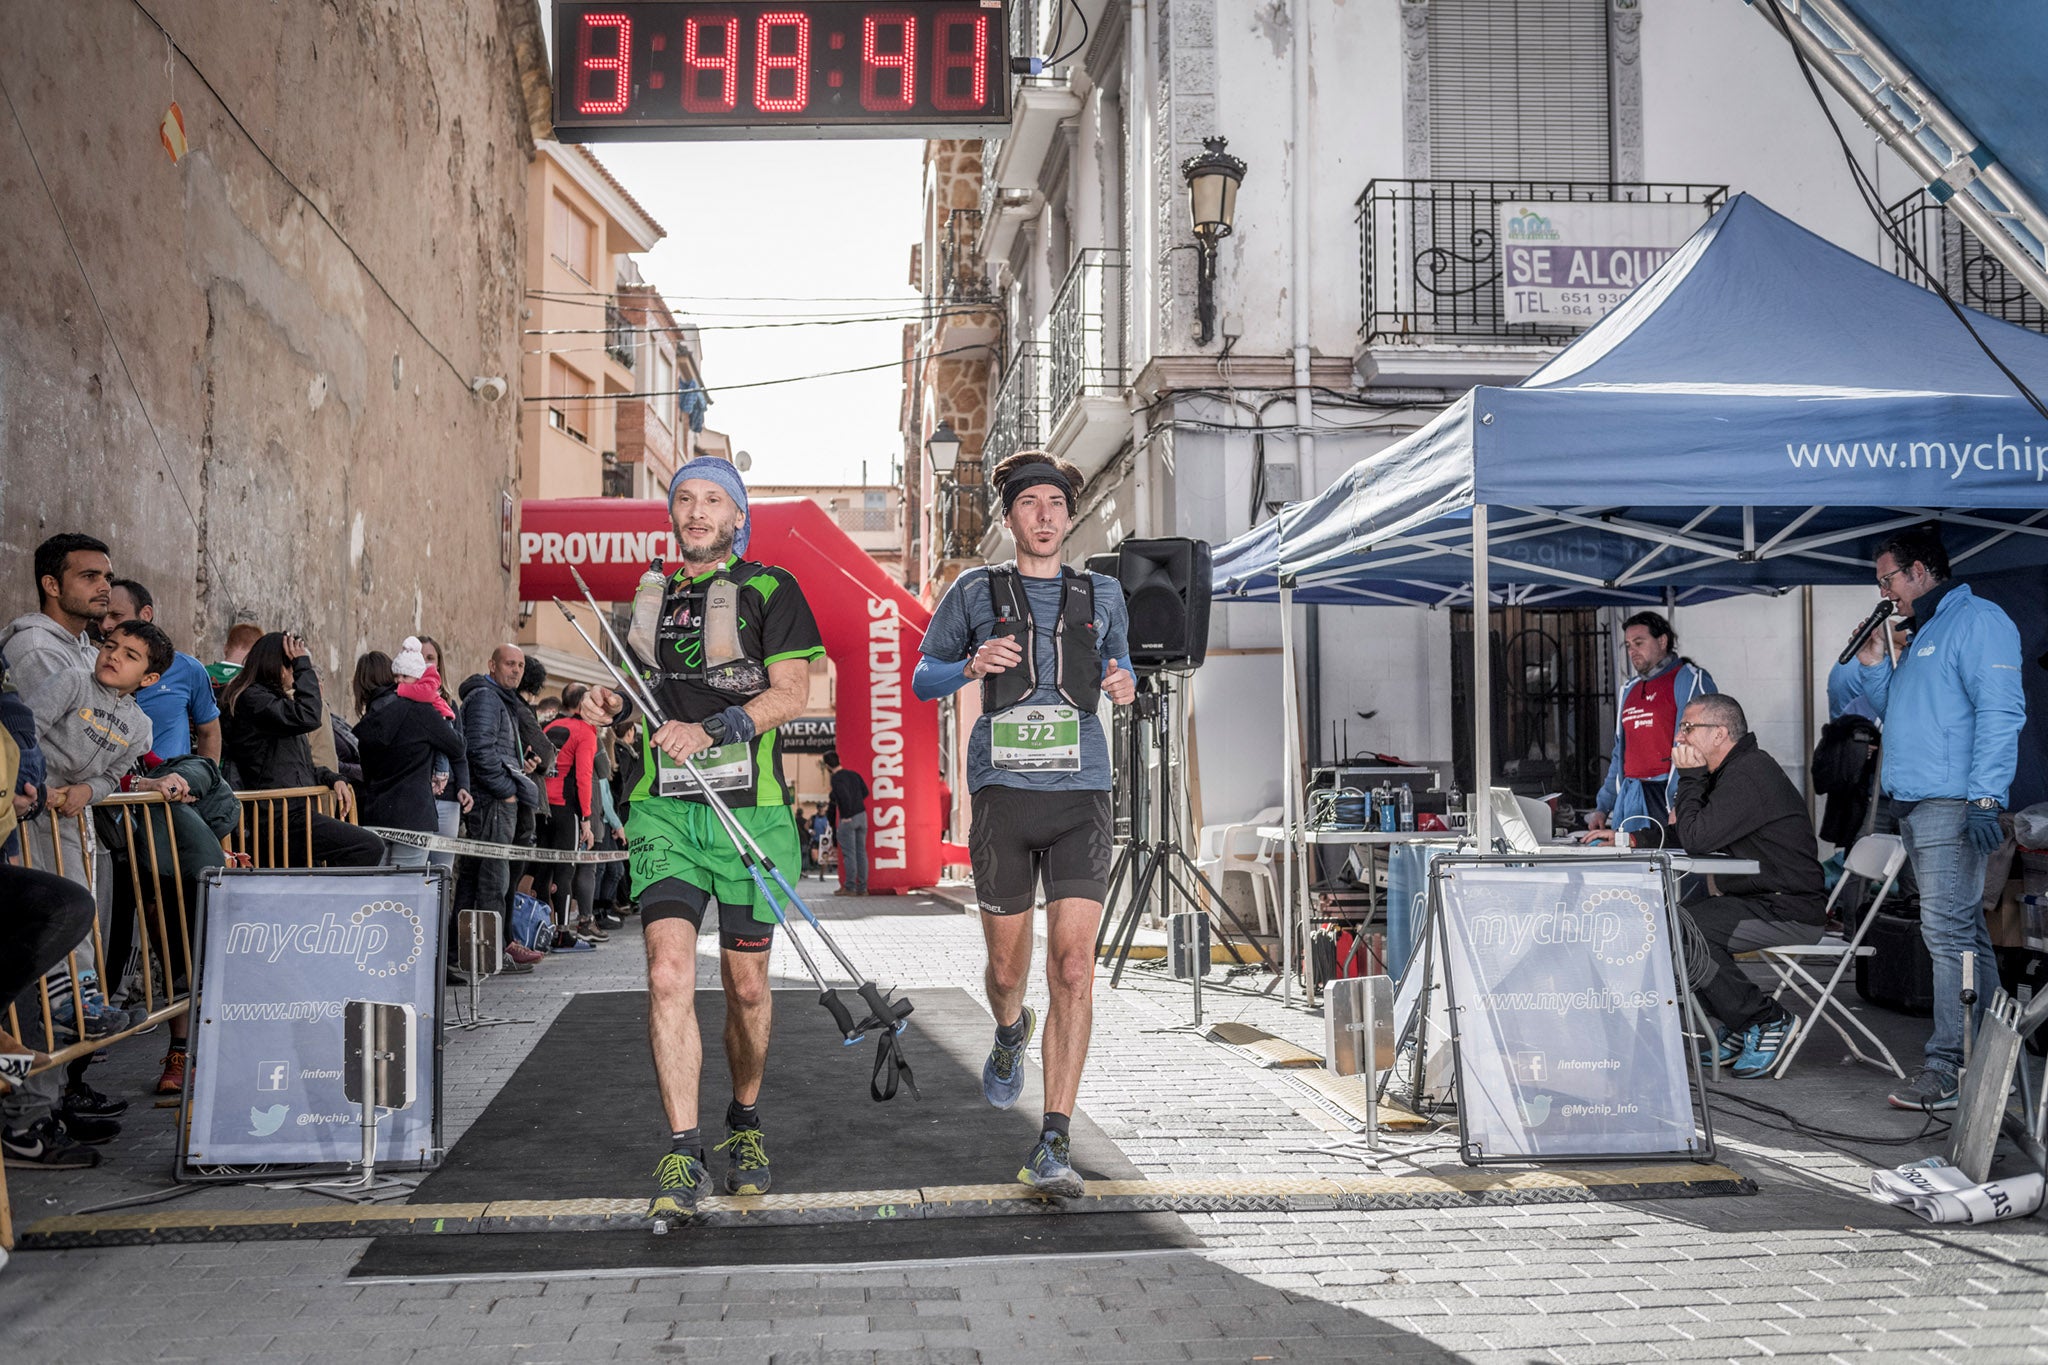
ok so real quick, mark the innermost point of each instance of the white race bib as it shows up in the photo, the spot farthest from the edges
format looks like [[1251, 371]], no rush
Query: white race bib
[[1036, 739], [727, 768]]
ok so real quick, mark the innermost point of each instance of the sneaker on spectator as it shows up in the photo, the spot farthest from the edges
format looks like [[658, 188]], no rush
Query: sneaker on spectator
[[458, 977], [1761, 1044], [587, 928], [607, 919], [524, 956], [43, 1145], [101, 1019], [1931, 1091], [1725, 1048], [510, 968], [88, 1128], [80, 1098], [172, 1081]]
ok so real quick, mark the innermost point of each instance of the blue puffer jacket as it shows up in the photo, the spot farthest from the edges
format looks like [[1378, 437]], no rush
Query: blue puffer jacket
[[1953, 708], [1622, 797]]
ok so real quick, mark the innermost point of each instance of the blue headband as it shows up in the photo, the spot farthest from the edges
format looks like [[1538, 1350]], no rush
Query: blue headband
[[722, 473]]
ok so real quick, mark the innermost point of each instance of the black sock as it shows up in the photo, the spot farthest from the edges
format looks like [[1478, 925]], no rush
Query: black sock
[[1055, 1123], [1010, 1035], [689, 1141], [178, 1044], [738, 1116]]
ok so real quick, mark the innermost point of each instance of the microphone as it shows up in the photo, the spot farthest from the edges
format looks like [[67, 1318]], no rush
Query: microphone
[[1870, 623]]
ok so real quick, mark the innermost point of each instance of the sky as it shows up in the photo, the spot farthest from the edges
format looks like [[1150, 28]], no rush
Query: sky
[[829, 224]]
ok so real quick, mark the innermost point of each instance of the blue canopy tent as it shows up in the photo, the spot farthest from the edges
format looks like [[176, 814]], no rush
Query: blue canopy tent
[[1754, 417]]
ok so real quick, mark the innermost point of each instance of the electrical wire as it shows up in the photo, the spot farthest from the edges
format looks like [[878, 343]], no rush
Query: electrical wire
[[1833, 1139], [1079, 43], [656, 329], [758, 383], [304, 198], [1874, 203]]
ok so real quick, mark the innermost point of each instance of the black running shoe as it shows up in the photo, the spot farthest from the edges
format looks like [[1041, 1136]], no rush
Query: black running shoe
[[44, 1146], [678, 1181], [87, 1129], [746, 1162], [80, 1098]]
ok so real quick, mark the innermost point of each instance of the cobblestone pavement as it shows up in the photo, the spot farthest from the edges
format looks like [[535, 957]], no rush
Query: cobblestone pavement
[[1807, 1271]]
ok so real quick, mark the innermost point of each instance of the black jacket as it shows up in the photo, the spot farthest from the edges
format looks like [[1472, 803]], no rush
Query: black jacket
[[398, 738], [849, 795], [263, 739], [1750, 809], [491, 738]]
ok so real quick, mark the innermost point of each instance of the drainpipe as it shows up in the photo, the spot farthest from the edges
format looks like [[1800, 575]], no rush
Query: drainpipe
[[1139, 109], [1304, 398]]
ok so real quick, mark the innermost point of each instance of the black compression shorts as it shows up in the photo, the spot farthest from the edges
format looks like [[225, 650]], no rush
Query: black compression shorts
[[1021, 838], [674, 898]]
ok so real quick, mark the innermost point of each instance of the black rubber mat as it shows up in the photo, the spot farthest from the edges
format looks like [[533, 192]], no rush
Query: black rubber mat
[[580, 1118]]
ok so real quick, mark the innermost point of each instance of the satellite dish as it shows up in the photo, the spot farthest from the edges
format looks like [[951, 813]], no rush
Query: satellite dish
[[743, 461]]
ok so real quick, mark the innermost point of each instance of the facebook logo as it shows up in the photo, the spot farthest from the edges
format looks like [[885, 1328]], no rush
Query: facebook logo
[[272, 1075]]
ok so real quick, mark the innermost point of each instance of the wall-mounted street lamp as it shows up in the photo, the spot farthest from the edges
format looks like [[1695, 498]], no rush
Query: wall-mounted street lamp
[[943, 447], [1213, 178]]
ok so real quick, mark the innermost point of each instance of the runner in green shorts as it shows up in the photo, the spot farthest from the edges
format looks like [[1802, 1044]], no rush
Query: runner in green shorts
[[729, 661]]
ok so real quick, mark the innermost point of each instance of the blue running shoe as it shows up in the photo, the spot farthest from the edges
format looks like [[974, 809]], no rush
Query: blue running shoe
[[1725, 1048], [746, 1162], [1761, 1044], [1933, 1091], [679, 1179], [1046, 1169], [1002, 1075]]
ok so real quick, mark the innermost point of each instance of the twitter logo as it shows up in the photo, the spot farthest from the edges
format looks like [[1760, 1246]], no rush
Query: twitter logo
[[264, 1122]]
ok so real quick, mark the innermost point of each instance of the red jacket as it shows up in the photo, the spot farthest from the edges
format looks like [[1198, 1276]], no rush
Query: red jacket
[[576, 745]]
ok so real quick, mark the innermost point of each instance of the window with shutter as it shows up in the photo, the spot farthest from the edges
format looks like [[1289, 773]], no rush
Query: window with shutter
[[1518, 90]]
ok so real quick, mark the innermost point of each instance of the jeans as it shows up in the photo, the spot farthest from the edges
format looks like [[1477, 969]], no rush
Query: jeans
[[46, 917], [1736, 924], [449, 814], [492, 822], [852, 835], [404, 855], [1951, 877]]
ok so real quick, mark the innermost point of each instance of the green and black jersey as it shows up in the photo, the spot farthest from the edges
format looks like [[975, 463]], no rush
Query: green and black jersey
[[774, 624]]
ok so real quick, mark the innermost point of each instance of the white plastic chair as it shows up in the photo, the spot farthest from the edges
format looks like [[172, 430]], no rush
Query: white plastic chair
[[1238, 848], [1876, 857]]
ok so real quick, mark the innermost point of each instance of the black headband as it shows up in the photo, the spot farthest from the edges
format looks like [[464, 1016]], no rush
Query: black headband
[[1030, 476]]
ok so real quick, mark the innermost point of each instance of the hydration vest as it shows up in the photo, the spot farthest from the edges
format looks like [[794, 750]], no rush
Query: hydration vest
[[1076, 649], [722, 662]]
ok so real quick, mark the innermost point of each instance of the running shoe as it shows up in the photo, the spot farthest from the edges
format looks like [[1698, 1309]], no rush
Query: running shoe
[[1046, 1169], [1002, 1075], [587, 928], [678, 1181], [1932, 1091], [80, 1098], [43, 1145], [746, 1162], [1761, 1044], [87, 1128], [1725, 1048], [524, 956]]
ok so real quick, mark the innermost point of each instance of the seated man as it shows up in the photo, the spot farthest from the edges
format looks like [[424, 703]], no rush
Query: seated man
[[1735, 800]]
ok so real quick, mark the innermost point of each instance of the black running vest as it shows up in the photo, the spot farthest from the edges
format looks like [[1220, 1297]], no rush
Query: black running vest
[[1076, 649]]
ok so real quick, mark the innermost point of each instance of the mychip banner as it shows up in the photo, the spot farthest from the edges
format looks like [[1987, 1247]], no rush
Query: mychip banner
[[284, 951], [1571, 262], [1565, 1009]]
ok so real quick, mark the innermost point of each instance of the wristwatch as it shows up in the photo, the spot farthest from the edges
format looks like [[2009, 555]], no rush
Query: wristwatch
[[1986, 803], [714, 726]]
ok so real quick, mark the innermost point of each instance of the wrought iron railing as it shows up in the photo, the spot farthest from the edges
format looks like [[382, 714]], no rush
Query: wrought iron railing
[[959, 280], [1945, 252], [1429, 264], [963, 512], [1086, 327], [991, 196], [620, 338], [1017, 419], [867, 520]]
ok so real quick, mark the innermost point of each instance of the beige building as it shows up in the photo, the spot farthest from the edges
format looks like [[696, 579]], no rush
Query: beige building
[[587, 315]]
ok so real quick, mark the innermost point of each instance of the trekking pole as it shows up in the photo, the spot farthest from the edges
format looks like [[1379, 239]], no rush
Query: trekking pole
[[889, 1015]]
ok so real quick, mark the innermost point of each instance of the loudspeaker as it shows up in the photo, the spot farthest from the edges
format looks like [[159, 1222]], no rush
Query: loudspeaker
[[1104, 563], [1166, 588]]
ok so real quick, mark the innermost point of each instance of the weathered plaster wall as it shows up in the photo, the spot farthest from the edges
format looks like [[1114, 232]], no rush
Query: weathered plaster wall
[[323, 463]]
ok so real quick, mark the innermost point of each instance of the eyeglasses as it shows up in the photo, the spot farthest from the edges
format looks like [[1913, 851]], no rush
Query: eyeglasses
[[1691, 725], [1884, 580]]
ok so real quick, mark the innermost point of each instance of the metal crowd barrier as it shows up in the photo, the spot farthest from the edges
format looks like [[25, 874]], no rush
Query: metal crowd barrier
[[264, 837]]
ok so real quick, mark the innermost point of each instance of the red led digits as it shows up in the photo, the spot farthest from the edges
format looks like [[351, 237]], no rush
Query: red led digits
[[711, 45], [790, 28], [617, 65], [948, 58], [898, 28]]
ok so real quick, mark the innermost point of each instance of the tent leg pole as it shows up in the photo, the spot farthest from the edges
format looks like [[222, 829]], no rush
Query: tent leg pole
[[1482, 686], [1290, 806]]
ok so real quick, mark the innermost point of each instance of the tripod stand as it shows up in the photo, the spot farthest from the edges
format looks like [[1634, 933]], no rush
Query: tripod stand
[[1152, 855]]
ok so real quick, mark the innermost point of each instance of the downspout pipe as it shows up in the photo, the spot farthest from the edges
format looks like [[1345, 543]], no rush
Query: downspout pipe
[[1298, 306], [1138, 112]]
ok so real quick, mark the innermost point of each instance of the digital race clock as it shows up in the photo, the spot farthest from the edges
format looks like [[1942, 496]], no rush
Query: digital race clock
[[680, 69]]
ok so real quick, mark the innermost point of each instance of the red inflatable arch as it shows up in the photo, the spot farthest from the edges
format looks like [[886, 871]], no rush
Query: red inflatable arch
[[872, 630]]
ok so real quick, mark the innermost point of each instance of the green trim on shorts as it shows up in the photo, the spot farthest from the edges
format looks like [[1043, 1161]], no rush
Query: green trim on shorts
[[670, 837]]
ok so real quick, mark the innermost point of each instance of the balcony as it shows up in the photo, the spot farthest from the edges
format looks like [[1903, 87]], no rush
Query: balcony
[[1430, 276], [1017, 418], [619, 336], [963, 512], [967, 311], [1086, 373], [1948, 254]]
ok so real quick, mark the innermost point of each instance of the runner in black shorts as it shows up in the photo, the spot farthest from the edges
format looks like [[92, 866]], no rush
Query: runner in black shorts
[[1045, 644]]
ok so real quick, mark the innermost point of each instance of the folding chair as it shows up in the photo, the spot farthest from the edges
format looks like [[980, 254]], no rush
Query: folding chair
[[1878, 858]]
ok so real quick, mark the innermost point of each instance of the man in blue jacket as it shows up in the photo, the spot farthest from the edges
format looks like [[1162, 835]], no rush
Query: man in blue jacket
[[1952, 711], [1641, 780]]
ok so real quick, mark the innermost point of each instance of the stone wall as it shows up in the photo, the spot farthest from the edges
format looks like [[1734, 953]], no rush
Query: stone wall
[[249, 370]]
